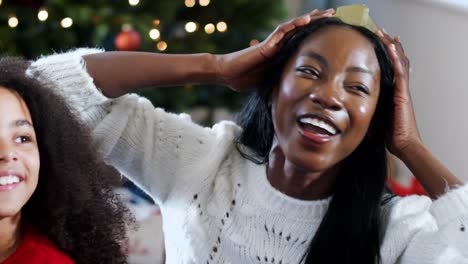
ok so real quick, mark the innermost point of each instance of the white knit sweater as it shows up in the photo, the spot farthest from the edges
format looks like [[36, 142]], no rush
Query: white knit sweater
[[219, 207]]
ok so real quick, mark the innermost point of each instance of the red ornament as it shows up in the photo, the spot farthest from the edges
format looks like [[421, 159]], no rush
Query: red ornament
[[127, 40]]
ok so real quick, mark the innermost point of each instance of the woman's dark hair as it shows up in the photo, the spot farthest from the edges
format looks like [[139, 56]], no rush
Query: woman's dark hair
[[73, 205], [351, 230]]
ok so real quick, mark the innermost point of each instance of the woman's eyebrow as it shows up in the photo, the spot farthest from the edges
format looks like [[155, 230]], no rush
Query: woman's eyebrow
[[319, 58], [359, 69]]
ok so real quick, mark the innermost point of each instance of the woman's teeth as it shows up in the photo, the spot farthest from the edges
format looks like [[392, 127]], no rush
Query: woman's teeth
[[318, 123], [7, 180]]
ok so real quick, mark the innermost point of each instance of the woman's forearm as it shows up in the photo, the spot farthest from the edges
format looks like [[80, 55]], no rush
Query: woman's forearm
[[117, 73], [432, 174]]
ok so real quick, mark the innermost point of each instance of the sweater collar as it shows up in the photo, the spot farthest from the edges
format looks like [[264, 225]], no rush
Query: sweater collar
[[274, 200]]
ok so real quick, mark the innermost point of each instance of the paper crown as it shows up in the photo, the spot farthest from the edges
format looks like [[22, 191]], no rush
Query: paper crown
[[357, 15]]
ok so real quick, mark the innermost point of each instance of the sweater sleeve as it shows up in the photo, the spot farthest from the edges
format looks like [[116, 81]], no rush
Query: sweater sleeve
[[425, 232], [161, 152]]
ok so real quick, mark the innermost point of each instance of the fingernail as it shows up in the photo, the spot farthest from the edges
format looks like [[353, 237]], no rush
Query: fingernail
[[398, 38], [392, 46], [329, 10], [383, 29]]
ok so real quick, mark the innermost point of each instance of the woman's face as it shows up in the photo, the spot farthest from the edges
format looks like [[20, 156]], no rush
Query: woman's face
[[326, 98], [19, 154]]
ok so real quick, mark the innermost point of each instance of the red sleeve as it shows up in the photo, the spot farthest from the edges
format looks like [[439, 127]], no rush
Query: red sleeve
[[36, 249]]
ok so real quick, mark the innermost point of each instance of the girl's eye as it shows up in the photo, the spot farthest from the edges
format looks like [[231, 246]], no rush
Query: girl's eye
[[310, 72], [23, 139]]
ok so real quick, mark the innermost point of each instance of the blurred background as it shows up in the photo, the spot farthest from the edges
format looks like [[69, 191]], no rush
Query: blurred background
[[434, 34]]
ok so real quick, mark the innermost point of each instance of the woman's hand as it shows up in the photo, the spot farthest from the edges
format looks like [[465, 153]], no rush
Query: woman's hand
[[404, 140], [242, 70], [404, 132]]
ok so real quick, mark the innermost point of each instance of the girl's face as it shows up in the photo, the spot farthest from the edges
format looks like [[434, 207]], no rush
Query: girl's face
[[19, 154], [326, 98]]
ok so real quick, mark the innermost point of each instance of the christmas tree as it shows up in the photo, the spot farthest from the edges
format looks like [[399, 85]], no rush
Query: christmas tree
[[33, 27]]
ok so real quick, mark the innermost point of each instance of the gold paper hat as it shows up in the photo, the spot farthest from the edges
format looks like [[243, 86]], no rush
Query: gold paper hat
[[357, 15]]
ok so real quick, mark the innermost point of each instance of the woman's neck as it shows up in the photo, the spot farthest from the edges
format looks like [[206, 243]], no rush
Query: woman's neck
[[10, 235], [297, 182]]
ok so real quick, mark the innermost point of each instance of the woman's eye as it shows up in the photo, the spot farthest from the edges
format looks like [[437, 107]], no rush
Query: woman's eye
[[309, 72], [359, 88]]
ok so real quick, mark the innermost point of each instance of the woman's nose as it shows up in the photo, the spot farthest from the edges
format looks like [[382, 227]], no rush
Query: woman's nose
[[328, 96]]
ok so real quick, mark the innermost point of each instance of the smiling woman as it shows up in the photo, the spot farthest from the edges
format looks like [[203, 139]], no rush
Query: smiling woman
[[329, 105], [300, 178], [51, 189]]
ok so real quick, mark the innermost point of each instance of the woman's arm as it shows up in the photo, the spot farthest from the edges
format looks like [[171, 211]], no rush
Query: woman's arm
[[117, 73], [433, 175]]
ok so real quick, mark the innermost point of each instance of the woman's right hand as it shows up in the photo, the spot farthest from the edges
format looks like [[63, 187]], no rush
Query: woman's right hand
[[243, 69]]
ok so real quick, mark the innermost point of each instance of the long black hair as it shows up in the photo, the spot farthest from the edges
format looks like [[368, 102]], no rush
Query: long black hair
[[351, 230], [73, 204]]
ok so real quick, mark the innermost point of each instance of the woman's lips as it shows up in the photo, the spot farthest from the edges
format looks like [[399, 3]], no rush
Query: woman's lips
[[314, 136]]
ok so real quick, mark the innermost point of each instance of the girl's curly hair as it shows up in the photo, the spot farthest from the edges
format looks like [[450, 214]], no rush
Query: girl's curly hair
[[73, 205]]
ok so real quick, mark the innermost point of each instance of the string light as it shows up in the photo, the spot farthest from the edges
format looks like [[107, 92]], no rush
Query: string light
[[13, 22], [154, 34], [42, 15], [0, 2], [66, 22], [162, 45], [133, 2], [204, 2], [210, 28], [156, 22], [191, 27], [127, 27], [221, 26], [189, 3]]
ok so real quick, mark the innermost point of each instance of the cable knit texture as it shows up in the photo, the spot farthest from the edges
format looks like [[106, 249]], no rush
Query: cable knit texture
[[219, 207]]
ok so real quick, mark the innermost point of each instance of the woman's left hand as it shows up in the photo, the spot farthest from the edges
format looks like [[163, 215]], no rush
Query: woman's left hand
[[404, 132]]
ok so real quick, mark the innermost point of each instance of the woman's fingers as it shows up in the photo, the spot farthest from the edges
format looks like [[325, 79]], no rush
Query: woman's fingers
[[396, 52], [285, 30]]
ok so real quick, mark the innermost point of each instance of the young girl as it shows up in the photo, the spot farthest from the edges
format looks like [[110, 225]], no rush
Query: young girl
[[56, 201], [301, 177]]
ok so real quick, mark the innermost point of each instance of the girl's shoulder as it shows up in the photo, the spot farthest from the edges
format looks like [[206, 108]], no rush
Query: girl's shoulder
[[37, 249]]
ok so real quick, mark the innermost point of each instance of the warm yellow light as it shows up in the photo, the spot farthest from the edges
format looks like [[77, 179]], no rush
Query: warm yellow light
[[0, 2], [13, 22], [204, 2], [154, 34], [189, 3], [127, 27], [191, 27], [162, 45], [133, 2], [210, 28], [156, 22], [221, 26], [66, 22], [42, 15]]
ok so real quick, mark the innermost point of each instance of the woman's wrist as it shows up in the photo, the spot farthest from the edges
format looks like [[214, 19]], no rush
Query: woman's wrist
[[209, 70], [410, 150]]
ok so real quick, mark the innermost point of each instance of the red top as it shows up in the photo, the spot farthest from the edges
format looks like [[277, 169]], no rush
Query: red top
[[37, 249]]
